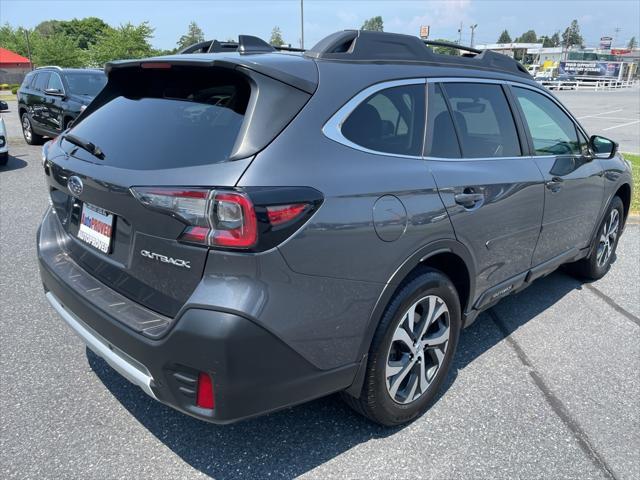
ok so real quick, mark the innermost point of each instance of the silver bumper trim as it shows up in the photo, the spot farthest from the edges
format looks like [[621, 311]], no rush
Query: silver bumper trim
[[126, 366]]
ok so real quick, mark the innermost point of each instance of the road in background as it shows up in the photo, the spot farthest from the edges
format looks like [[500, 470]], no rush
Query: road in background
[[544, 385]]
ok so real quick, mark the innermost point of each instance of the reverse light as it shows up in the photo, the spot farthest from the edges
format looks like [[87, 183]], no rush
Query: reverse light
[[205, 397]]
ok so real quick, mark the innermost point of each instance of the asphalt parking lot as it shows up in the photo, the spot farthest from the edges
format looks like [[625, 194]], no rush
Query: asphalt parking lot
[[545, 385]]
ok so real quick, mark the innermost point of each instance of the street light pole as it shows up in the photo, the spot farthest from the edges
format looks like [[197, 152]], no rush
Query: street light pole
[[473, 31], [301, 23]]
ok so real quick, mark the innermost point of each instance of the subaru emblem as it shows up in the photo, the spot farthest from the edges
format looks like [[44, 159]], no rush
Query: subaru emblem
[[74, 184]]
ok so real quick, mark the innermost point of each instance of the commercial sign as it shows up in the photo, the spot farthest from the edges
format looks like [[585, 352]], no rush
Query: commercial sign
[[590, 69], [424, 32], [605, 43]]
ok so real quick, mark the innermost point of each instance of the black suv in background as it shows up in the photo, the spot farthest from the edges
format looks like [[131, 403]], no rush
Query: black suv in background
[[50, 98]]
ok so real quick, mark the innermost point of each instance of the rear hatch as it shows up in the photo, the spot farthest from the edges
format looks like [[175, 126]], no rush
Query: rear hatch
[[164, 124]]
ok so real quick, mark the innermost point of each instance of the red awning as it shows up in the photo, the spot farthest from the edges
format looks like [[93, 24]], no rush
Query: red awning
[[7, 56]]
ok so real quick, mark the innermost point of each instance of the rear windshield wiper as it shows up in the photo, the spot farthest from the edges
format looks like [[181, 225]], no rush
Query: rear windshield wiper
[[85, 145]]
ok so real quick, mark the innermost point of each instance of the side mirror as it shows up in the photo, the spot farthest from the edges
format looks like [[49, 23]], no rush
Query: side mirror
[[54, 91], [602, 147]]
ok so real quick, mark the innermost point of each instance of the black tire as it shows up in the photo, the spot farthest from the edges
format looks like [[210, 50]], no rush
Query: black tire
[[375, 401], [591, 267], [31, 137], [4, 158]]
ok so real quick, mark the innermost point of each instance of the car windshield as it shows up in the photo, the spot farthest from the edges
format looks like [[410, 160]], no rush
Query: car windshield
[[86, 83]]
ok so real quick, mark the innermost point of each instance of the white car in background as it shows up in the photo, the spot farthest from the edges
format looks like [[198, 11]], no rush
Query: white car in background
[[4, 144]]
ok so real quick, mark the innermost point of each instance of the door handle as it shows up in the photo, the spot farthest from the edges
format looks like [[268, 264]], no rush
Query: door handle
[[468, 200], [555, 184]]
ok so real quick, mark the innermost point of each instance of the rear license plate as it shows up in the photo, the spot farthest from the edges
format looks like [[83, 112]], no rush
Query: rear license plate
[[96, 227]]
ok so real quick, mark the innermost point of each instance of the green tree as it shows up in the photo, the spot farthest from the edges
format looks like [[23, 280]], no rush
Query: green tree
[[571, 35], [555, 39], [528, 37], [85, 31], [194, 35], [276, 37], [445, 50], [56, 49], [374, 24], [14, 39], [633, 43], [126, 41], [504, 37], [48, 27]]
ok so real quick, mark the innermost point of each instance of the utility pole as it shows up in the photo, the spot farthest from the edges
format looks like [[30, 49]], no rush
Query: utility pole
[[615, 37], [301, 23], [473, 31], [26, 36], [460, 34]]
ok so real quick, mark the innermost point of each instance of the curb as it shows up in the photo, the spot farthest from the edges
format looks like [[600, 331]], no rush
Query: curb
[[633, 219]]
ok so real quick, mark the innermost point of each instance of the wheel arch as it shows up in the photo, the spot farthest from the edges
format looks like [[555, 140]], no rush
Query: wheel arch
[[450, 257], [624, 192]]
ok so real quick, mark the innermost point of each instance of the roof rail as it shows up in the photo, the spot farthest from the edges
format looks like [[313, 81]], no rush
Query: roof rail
[[457, 46], [49, 66], [363, 45], [245, 44]]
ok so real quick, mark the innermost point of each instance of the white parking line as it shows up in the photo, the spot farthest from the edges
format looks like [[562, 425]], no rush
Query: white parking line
[[621, 125], [601, 113]]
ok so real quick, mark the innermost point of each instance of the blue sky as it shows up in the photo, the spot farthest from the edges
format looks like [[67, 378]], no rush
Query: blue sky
[[227, 19]]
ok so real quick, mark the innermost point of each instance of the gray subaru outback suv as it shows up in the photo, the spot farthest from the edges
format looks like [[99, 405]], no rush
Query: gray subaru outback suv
[[236, 229]]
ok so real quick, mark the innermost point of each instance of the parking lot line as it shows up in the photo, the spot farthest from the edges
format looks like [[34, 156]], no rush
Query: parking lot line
[[621, 125], [553, 401], [613, 304], [601, 113]]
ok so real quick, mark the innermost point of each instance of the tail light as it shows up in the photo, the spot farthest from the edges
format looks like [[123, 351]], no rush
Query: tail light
[[229, 218]]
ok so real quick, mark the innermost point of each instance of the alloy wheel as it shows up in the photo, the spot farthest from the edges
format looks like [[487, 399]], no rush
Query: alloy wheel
[[417, 349], [608, 237], [26, 128]]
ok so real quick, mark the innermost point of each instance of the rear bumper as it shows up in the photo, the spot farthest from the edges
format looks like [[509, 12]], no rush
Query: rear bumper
[[253, 371]]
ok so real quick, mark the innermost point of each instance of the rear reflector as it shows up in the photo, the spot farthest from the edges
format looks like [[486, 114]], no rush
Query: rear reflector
[[285, 213], [205, 397]]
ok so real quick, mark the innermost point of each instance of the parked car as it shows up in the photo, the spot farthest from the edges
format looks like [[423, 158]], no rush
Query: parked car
[[4, 143], [51, 98], [236, 233], [4, 105]]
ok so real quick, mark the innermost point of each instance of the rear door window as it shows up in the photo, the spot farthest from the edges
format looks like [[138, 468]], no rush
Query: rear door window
[[55, 83], [389, 121], [483, 120], [442, 140], [552, 131], [41, 81]]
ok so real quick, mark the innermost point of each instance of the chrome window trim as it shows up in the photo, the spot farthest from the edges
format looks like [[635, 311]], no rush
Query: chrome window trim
[[332, 129]]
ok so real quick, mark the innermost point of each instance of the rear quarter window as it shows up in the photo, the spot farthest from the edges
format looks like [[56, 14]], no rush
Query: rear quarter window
[[389, 121]]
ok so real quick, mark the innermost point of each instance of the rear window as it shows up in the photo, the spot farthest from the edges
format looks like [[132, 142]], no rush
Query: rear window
[[167, 119]]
